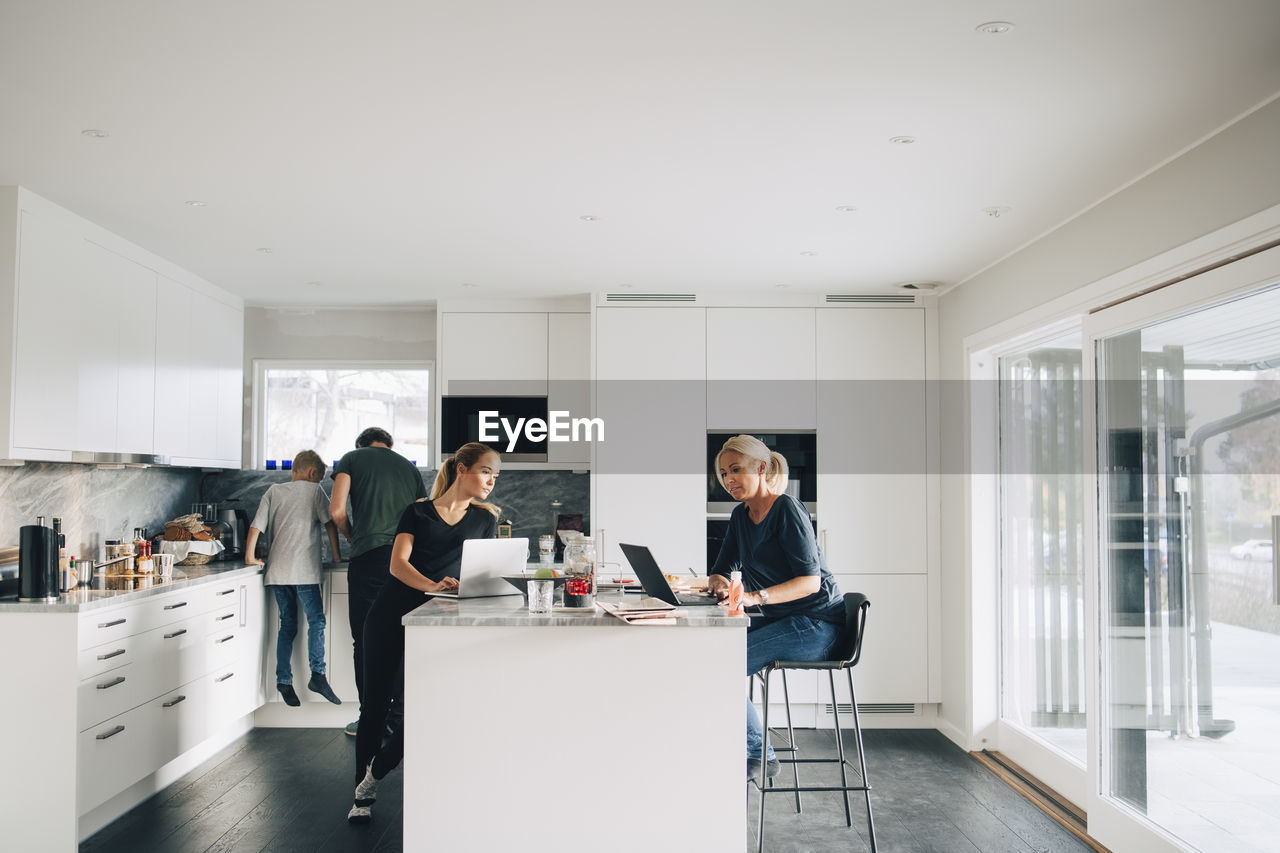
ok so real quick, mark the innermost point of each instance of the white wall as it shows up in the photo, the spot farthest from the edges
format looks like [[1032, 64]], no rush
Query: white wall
[[1225, 179], [349, 333]]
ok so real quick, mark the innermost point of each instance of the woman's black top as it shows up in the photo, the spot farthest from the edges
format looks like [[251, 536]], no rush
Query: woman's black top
[[437, 545]]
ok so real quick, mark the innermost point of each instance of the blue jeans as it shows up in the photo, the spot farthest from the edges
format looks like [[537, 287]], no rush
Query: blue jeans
[[287, 596], [790, 638]]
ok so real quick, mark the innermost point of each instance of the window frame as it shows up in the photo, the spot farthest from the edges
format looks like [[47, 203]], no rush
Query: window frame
[[262, 365]]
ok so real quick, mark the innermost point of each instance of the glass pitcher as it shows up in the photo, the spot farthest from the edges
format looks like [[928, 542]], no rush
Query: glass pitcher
[[580, 571]]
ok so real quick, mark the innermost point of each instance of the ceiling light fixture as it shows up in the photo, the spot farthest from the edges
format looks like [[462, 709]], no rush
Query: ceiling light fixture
[[589, 218], [94, 133], [902, 140], [808, 254], [846, 208], [265, 251], [782, 286], [469, 284], [994, 28], [197, 203], [996, 211], [315, 283]]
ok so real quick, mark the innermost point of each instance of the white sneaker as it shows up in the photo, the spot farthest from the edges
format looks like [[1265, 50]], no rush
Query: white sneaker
[[367, 790], [360, 814]]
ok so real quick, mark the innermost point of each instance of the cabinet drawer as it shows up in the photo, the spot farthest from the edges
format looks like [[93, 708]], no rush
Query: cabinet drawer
[[113, 755], [108, 656], [181, 719], [103, 626], [225, 646], [226, 614], [222, 594], [232, 694], [110, 693], [167, 609]]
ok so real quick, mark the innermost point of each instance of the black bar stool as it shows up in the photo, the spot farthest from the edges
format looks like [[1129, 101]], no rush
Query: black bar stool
[[844, 656]]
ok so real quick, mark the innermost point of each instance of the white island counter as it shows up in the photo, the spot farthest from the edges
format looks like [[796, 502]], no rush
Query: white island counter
[[573, 731]]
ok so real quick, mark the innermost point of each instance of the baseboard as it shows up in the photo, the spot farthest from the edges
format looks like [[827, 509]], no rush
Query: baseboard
[[93, 820], [1068, 815]]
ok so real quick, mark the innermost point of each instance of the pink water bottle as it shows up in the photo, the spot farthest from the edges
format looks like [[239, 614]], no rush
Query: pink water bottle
[[735, 594]]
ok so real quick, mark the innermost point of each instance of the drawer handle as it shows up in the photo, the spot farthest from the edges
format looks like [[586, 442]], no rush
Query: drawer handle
[[223, 617], [110, 655], [112, 624], [117, 730], [224, 639], [177, 633], [223, 678], [174, 701], [119, 679], [175, 606], [225, 591]]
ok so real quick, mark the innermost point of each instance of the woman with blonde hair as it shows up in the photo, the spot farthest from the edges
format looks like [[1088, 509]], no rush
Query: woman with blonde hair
[[424, 559], [771, 541]]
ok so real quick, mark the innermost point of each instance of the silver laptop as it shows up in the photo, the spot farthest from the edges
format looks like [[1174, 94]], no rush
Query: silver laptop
[[484, 563]]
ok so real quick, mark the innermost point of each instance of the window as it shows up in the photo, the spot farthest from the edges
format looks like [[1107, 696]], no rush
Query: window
[[324, 405]]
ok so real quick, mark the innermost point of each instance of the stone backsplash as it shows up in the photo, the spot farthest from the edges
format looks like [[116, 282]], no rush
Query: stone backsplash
[[524, 496]]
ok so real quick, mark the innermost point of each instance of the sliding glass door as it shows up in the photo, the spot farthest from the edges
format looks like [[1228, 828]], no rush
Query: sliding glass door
[[1187, 739]]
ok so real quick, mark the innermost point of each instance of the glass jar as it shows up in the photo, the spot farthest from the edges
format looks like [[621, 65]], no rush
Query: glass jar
[[580, 573]]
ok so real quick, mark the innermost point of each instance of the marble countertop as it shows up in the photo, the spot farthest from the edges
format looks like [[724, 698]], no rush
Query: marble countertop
[[511, 610], [124, 590]]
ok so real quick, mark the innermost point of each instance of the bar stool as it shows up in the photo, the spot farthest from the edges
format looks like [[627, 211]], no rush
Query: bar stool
[[844, 656]]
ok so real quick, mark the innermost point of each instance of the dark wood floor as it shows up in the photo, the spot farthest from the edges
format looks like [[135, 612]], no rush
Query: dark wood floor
[[289, 790]]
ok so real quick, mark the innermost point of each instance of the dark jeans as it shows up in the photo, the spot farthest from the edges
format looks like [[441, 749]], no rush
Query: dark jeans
[[367, 573], [383, 679]]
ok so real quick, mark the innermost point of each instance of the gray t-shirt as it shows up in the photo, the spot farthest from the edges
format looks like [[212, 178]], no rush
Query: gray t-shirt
[[293, 516]]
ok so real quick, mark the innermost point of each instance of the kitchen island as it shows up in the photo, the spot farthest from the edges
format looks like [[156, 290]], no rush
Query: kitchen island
[[572, 731]]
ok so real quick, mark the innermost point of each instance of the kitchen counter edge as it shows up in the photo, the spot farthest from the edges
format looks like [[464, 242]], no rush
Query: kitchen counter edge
[[81, 600]]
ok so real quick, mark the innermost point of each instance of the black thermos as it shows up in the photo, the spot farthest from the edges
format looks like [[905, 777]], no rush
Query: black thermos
[[37, 562]]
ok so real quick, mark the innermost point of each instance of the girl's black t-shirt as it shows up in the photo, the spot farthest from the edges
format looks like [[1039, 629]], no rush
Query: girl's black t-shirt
[[437, 545]]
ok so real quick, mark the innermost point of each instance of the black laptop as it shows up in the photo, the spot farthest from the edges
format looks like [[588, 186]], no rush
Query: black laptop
[[655, 584]]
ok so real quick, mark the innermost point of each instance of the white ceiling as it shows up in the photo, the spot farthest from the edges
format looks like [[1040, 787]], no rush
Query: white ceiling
[[397, 152]]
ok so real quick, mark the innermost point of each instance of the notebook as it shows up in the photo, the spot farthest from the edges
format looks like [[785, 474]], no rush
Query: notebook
[[655, 585], [484, 562]]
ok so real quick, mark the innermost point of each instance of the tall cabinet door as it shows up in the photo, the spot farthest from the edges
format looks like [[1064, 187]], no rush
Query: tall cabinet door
[[749, 389], [872, 492], [46, 367], [650, 471], [173, 370]]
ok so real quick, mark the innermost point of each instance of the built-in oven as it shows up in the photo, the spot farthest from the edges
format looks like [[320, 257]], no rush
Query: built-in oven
[[799, 448]]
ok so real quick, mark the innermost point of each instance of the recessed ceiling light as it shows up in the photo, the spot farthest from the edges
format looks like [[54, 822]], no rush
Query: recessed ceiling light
[[846, 208], [469, 284], [917, 285], [782, 286], [197, 203], [994, 28], [265, 251], [589, 218], [808, 254], [996, 211], [94, 133], [902, 140], [315, 283]]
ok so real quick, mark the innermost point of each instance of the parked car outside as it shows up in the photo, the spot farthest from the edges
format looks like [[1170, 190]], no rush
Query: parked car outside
[[1253, 549]]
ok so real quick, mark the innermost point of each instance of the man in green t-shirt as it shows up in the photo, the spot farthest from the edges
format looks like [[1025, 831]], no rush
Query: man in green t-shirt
[[380, 483]]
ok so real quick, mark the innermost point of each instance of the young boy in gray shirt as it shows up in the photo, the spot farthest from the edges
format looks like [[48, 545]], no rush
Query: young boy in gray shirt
[[292, 515]]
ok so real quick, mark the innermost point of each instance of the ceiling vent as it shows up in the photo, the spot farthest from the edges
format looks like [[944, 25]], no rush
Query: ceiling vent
[[650, 297], [871, 298], [892, 708]]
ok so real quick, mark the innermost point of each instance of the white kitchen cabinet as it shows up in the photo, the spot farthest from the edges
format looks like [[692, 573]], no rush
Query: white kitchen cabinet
[[47, 332], [569, 376], [116, 694], [761, 368], [87, 352], [649, 485], [505, 351], [872, 440], [894, 664]]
